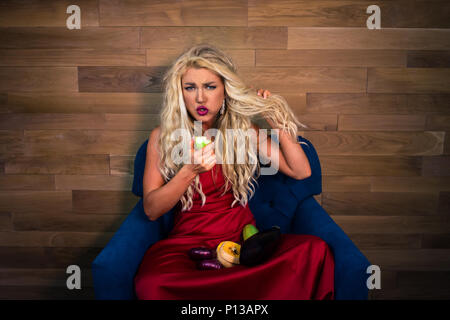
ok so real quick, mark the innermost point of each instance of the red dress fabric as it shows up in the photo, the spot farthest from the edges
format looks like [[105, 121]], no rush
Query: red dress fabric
[[302, 267]]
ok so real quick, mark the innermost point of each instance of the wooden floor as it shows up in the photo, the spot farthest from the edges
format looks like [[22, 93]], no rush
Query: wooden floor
[[75, 106]]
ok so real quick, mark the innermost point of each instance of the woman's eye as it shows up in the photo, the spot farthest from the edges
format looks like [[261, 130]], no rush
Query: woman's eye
[[187, 88]]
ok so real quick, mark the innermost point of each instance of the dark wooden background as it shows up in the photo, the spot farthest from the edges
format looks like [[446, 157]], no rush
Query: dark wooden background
[[76, 105]]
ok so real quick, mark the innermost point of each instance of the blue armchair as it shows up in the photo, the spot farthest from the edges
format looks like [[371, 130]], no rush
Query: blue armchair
[[278, 200]]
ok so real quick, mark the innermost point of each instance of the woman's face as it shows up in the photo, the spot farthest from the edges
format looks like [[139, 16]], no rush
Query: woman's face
[[202, 88]]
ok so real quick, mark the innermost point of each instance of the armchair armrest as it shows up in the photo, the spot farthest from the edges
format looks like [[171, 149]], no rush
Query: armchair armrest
[[113, 270], [350, 263]]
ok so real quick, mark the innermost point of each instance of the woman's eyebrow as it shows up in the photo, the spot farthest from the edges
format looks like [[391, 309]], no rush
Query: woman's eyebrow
[[203, 83]]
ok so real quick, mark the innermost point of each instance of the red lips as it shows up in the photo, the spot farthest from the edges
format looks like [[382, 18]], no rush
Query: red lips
[[202, 110]]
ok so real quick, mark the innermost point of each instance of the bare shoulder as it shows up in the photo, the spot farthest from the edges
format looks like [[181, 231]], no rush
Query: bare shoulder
[[155, 133]]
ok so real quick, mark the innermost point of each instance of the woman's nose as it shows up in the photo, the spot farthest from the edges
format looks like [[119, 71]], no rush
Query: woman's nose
[[200, 95]]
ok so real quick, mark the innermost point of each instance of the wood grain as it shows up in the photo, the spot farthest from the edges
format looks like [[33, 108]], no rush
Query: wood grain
[[222, 37], [363, 38], [173, 13], [72, 57], [369, 166], [338, 58], [83, 102], [408, 80], [368, 143], [45, 13], [62, 79], [327, 13], [63, 38], [380, 203], [306, 79]]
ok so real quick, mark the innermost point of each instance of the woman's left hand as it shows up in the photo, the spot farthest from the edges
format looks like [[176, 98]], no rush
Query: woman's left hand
[[263, 93]]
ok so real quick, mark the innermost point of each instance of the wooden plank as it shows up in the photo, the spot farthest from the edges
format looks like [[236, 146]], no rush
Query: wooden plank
[[437, 241], [386, 241], [338, 58], [60, 221], [439, 103], [26, 239], [39, 79], [410, 259], [6, 221], [45, 13], [45, 293], [382, 122], [27, 182], [444, 203], [306, 79], [222, 37], [368, 166], [436, 166], [431, 224], [345, 183], [94, 182], [413, 285], [367, 143], [63, 38], [358, 103], [103, 202], [99, 121], [72, 57], [35, 201], [327, 13], [41, 277], [84, 102], [417, 293], [58, 164], [380, 203], [122, 165], [120, 79], [82, 142], [81, 239], [296, 101], [326, 122], [410, 184], [428, 59], [363, 38], [447, 143], [46, 257], [438, 122], [408, 80], [173, 13], [165, 57], [377, 103]]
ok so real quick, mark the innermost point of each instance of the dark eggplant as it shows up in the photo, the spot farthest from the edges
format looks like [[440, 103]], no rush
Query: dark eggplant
[[202, 253], [260, 246], [210, 264]]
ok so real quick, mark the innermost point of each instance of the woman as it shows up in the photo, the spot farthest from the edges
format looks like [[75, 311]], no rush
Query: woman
[[202, 85]]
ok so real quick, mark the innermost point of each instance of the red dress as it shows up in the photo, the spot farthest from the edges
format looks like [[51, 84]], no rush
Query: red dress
[[302, 267]]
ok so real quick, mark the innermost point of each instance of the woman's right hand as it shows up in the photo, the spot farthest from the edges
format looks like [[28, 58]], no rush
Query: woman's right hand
[[203, 159]]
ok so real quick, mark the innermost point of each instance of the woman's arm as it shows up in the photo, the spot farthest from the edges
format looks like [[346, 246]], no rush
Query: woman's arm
[[292, 159], [161, 200], [158, 197]]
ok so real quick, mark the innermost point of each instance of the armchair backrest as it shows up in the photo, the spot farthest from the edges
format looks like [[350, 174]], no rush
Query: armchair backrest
[[276, 192]]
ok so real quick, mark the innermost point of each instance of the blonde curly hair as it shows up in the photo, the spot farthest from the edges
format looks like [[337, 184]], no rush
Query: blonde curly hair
[[241, 103]]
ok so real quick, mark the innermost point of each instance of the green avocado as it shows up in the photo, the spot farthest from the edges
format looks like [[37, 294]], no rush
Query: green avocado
[[248, 231]]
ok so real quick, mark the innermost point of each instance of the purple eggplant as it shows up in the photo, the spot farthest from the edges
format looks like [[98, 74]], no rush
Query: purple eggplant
[[209, 264], [202, 253]]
